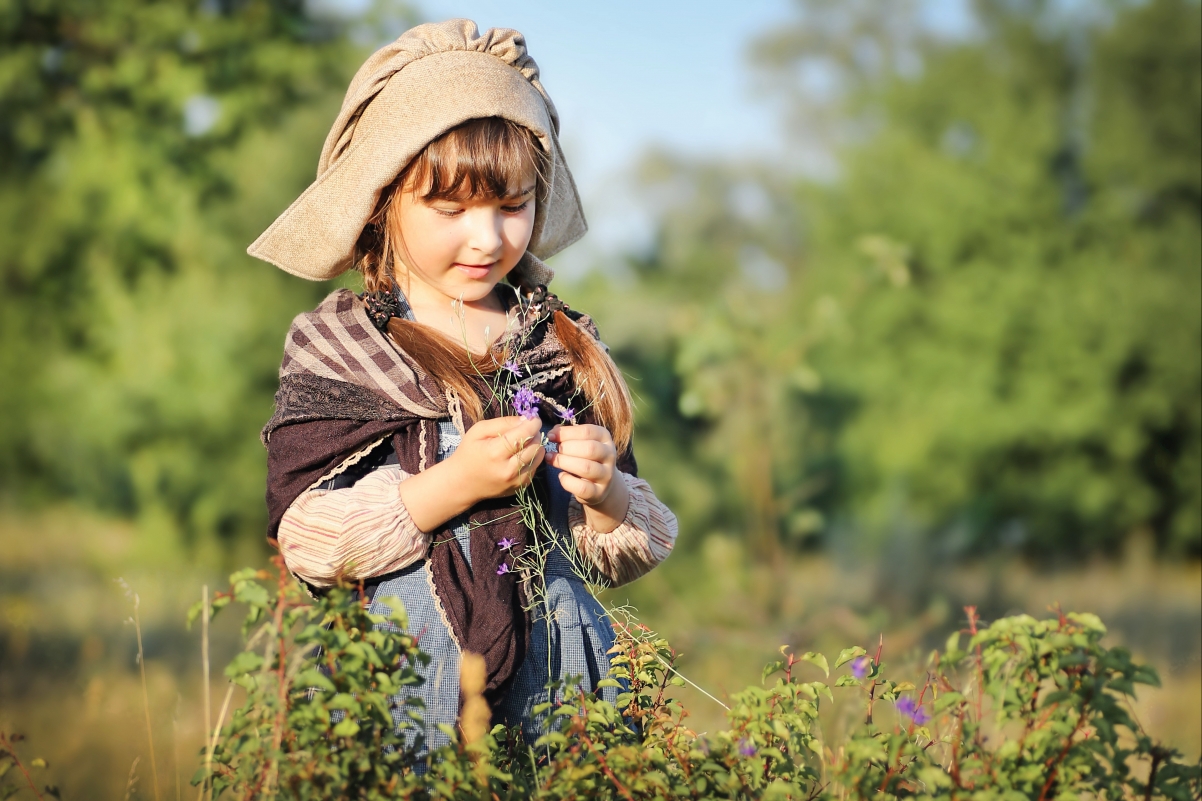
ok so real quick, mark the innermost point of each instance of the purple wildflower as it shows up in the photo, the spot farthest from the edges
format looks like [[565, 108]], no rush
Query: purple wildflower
[[746, 747], [514, 368], [568, 415], [506, 543], [908, 708], [859, 666], [525, 403], [503, 569]]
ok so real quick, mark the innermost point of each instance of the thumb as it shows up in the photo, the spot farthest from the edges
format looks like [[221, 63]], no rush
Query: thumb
[[494, 427]]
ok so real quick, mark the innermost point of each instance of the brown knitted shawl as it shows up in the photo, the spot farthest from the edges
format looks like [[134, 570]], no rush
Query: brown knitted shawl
[[345, 387]]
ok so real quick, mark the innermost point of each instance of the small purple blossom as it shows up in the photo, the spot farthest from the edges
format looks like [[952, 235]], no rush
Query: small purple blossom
[[859, 666], [513, 367], [746, 747], [506, 543], [908, 708], [568, 415], [503, 569], [525, 403]]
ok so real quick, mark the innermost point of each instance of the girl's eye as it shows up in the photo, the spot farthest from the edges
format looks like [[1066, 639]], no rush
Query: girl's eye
[[448, 212], [515, 209]]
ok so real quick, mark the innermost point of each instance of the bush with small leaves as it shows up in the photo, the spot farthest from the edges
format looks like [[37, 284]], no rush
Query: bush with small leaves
[[1024, 709]]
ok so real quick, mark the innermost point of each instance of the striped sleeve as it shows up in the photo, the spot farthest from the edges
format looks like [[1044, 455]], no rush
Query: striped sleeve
[[642, 541], [356, 532]]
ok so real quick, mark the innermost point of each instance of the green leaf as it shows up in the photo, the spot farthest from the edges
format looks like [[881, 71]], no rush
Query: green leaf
[[848, 654], [251, 594], [314, 678], [1146, 674], [818, 660], [244, 663], [347, 727]]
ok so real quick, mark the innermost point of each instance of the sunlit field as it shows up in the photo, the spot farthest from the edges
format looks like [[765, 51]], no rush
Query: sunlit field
[[71, 681]]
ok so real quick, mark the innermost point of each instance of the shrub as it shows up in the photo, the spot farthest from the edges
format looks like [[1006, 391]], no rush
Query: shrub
[[1024, 709]]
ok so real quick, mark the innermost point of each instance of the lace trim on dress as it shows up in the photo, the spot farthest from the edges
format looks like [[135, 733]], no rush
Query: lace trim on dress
[[348, 463], [442, 613]]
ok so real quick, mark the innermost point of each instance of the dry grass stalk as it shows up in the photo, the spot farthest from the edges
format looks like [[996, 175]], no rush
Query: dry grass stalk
[[208, 708], [476, 715], [179, 792], [154, 768], [474, 720], [132, 782]]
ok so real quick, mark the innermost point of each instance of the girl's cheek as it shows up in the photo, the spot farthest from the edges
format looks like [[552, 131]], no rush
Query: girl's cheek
[[519, 229]]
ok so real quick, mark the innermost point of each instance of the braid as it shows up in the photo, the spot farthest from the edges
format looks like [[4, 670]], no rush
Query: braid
[[374, 251]]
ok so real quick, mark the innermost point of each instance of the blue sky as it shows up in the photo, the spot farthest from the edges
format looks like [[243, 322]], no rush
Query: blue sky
[[627, 76]]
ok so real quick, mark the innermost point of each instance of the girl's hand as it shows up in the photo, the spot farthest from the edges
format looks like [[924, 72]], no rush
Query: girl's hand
[[498, 456], [588, 461], [494, 459]]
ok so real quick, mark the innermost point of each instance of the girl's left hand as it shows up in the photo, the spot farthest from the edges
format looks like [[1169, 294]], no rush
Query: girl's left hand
[[588, 460]]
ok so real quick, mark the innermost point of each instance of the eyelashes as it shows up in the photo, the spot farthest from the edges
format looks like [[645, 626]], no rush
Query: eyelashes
[[507, 209]]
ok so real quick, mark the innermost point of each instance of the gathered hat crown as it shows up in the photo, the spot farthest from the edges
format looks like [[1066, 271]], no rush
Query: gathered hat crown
[[408, 93]]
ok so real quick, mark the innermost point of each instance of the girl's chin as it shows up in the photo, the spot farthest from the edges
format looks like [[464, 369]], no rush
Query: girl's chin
[[459, 284]]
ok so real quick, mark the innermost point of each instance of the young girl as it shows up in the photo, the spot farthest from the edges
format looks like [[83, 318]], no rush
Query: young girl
[[456, 436]]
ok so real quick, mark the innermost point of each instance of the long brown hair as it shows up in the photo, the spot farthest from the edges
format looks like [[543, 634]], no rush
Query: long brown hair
[[481, 159]]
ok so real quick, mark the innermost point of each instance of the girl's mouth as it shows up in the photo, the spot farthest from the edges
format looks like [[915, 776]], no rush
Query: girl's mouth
[[476, 271]]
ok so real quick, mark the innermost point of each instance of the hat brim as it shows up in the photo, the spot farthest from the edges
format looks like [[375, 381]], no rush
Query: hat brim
[[316, 236]]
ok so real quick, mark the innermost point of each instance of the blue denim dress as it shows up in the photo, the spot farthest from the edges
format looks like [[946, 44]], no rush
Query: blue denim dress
[[570, 633]]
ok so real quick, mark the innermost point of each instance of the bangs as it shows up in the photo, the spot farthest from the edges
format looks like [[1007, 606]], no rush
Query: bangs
[[482, 159]]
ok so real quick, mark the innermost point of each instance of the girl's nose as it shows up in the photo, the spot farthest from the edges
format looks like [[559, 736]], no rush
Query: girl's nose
[[485, 233]]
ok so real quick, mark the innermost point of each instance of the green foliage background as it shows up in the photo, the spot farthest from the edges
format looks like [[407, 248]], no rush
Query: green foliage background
[[984, 327], [140, 340]]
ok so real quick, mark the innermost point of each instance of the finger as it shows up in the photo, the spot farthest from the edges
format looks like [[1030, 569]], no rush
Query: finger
[[585, 491], [495, 426], [580, 432], [528, 461], [521, 452], [589, 449], [520, 436], [523, 428], [583, 468]]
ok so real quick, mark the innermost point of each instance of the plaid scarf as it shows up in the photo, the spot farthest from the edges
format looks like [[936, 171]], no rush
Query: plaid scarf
[[345, 387]]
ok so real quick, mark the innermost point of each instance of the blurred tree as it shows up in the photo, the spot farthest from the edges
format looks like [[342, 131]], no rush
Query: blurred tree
[[988, 326], [142, 146], [1039, 378]]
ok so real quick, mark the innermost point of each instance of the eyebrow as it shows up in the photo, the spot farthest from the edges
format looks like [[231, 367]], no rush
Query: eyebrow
[[527, 191]]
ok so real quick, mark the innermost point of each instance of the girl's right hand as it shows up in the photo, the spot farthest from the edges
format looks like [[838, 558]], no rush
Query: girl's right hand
[[496, 457]]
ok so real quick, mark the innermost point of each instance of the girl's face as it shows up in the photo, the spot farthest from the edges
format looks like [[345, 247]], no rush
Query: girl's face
[[460, 249]]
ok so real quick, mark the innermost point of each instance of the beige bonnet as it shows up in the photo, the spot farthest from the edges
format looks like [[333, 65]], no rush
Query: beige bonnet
[[407, 94]]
